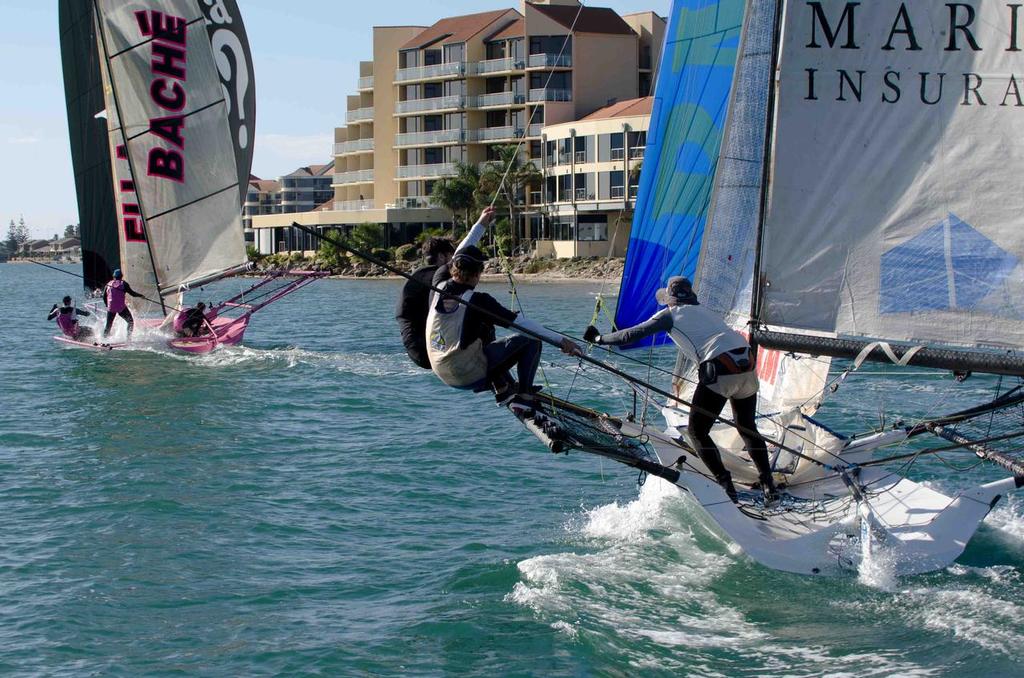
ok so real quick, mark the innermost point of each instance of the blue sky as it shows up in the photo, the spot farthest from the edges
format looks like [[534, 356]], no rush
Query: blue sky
[[306, 55]]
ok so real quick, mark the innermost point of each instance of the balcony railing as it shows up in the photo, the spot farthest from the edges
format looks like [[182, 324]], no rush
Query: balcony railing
[[354, 146], [536, 129], [352, 205], [637, 152], [354, 177], [581, 194], [618, 154], [565, 195], [444, 169], [550, 94], [500, 99], [449, 69], [359, 115], [444, 136], [497, 66], [549, 60], [618, 192], [366, 82], [414, 203], [434, 104], [535, 197], [499, 133], [580, 156]]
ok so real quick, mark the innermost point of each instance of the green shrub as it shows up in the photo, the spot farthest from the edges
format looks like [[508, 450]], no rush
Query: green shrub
[[381, 253], [407, 253], [367, 236], [505, 244]]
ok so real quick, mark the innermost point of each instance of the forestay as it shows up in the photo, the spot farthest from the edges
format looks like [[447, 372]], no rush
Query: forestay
[[895, 200], [690, 107], [179, 110]]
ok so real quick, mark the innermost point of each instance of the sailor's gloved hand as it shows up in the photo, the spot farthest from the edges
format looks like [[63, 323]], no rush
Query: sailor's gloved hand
[[570, 347], [591, 335], [54, 307]]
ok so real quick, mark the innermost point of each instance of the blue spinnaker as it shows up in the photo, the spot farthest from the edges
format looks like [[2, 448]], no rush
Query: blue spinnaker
[[689, 115]]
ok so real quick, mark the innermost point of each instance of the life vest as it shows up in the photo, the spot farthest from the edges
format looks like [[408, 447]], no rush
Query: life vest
[[68, 323], [115, 296], [454, 364]]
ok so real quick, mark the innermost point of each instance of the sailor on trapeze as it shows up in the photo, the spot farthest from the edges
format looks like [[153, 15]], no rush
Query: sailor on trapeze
[[414, 303], [726, 373], [192, 321], [67, 320], [460, 339], [113, 297]]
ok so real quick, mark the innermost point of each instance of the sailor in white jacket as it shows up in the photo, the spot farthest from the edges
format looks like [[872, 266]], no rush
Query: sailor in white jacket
[[726, 369]]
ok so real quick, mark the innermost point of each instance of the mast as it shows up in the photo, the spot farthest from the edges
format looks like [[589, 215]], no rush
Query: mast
[[124, 138], [766, 164]]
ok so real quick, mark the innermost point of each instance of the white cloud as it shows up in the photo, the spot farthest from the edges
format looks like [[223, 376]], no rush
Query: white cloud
[[279, 154]]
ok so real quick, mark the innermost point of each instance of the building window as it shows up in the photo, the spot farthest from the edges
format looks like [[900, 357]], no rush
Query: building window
[[618, 146], [617, 185], [432, 57]]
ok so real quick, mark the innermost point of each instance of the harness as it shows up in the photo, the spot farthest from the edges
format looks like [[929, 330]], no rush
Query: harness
[[736, 361]]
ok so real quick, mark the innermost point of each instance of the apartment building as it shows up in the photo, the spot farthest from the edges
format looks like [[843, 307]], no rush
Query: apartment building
[[453, 92], [591, 175], [303, 190]]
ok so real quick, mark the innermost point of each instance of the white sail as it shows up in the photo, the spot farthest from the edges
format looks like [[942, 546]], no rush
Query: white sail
[[169, 118], [895, 203]]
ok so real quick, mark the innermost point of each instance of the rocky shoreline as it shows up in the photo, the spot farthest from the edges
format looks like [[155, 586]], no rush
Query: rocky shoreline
[[523, 267]]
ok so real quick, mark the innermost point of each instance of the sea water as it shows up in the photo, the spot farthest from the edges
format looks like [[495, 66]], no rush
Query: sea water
[[312, 503]]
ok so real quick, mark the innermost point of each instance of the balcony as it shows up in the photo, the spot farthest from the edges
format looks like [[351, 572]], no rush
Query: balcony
[[365, 83], [360, 115], [352, 205], [444, 136], [443, 169], [434, 104], [618, 192], [500, 99], [497, 66], [535, 130], [354, 146], [550, 94], [414, 203], [354, 177], [448, 70], [618, 154], [565, 195], [535, 198], [580, 157], [549, 61], [498, 134], [637, 152], [581, 194]]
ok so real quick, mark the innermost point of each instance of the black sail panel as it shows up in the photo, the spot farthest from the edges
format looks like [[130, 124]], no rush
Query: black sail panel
[[90, 153]]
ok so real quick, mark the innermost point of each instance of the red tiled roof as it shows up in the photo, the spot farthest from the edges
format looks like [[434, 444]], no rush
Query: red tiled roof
[[265, 185], [592, 19], [623, 109], [455, 29], [320, 170], [516, 29]]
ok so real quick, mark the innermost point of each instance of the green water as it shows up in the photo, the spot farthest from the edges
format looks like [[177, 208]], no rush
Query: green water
[[312, 504]]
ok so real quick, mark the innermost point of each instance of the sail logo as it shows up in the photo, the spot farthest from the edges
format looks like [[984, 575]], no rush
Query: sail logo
[[954, 32], [168, 61], [949, 266]]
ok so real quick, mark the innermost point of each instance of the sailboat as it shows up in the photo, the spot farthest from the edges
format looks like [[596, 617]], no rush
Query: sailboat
[[840, 180], [161, 113]]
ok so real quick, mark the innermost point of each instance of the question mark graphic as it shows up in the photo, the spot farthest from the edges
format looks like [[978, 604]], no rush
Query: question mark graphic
[[225, 42]]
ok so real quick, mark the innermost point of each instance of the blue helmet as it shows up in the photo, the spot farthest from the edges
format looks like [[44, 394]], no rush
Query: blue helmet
[[117, 274]]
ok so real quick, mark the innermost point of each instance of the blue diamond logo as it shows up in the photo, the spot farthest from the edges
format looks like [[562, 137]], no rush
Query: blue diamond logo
[[949, 266]]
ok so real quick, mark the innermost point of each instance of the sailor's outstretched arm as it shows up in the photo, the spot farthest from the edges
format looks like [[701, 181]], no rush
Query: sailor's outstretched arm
[[129, 290], [478, 230], [82, 313], [659, 322]]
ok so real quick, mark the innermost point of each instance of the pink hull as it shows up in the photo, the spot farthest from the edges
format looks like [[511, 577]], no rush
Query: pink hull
[[227, 332]]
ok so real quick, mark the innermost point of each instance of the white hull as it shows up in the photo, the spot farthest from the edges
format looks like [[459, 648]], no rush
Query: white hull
[[821, 528]]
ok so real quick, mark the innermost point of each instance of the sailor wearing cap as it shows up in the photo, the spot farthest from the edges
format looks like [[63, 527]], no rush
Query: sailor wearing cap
[[461, 342], [726, 373]]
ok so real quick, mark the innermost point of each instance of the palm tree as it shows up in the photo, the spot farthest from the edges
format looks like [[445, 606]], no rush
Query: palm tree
[[509, 177], [458, 194]]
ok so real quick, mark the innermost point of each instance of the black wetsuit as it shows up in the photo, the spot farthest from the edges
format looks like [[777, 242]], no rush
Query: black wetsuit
[[193, 325], [411, 314]]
